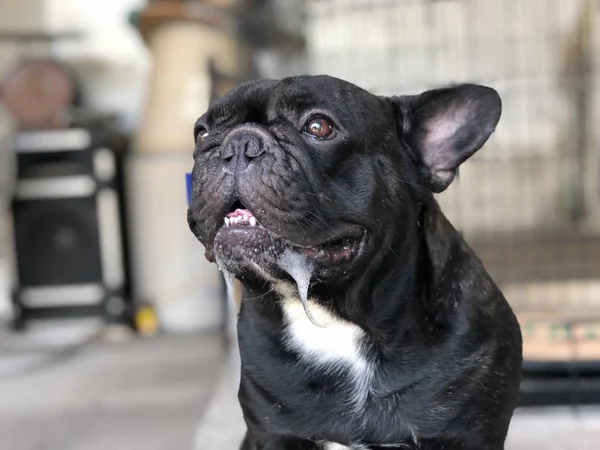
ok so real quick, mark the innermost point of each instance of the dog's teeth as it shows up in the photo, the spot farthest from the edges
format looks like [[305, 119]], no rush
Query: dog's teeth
[[246, 218], [252, 221], [226, 221]]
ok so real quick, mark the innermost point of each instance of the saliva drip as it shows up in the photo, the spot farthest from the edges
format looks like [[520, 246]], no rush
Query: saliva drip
[[231, 319], [300, 269]]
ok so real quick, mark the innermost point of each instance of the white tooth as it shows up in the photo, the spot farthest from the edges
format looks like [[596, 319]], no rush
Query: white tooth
[[245, 218], [252, 221], [226, 222], [238, 219]]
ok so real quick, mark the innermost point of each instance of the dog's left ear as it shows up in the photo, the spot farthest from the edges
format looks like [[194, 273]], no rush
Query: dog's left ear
[[444, 127]]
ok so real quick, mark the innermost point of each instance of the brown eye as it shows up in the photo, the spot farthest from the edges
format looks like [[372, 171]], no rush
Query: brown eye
[[202, 134], [319, 127]]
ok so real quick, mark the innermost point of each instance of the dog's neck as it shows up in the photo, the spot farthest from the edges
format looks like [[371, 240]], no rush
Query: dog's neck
[[402, 272]]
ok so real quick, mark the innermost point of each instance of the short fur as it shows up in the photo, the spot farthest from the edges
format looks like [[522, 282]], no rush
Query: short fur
[[418, 348]]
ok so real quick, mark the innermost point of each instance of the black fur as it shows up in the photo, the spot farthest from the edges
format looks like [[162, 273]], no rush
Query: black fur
[[444, 343]]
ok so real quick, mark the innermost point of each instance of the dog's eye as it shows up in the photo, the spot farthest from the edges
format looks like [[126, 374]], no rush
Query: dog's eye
[[202, 134], [319, 127]]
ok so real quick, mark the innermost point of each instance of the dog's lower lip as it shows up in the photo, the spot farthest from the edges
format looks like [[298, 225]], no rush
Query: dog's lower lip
[[344, 248], [347, 250]]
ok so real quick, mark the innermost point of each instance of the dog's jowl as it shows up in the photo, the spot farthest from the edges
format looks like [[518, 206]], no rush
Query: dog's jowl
[[367, 321]]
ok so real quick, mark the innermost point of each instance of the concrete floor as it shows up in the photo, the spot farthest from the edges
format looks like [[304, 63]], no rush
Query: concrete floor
[[175, 393], [142, 394], [555, 429]]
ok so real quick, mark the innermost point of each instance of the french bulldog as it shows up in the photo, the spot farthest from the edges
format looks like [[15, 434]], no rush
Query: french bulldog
[[367, 321]]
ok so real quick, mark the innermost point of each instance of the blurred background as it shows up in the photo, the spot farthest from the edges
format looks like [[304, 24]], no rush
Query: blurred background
[[114, 330]]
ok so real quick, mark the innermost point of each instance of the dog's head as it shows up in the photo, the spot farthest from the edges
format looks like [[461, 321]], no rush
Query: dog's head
[[316, 167]]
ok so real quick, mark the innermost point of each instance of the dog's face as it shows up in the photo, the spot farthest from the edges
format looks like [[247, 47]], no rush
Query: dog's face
[[319, 168]]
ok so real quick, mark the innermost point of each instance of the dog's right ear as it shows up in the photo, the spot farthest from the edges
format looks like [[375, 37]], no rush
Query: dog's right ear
[[444, 127]]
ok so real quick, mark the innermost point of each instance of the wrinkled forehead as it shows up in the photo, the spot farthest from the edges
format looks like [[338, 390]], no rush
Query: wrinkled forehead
[[265, 100]]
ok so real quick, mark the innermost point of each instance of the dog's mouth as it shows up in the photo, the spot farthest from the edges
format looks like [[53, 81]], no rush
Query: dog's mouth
[[242, 229]]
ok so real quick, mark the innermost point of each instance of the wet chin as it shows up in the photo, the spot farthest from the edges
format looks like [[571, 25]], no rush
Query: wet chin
[[238, 250]]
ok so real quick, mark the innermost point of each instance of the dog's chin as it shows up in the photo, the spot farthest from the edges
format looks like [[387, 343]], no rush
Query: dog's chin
[[244, 245], [241, 248]]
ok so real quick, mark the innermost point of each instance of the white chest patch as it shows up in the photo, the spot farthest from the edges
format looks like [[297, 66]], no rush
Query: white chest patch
[[333, 446], [336, 343]]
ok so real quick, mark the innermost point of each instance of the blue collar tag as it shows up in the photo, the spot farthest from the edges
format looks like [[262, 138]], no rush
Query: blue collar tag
[[188, 187]]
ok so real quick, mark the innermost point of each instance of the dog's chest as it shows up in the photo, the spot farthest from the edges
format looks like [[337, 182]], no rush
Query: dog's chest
[[332, 385], [332, 344]]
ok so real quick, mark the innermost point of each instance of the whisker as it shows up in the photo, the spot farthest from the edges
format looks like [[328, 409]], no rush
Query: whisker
[[395, 254], [319, 218], [262, 295], [410, 183], [299, 224]]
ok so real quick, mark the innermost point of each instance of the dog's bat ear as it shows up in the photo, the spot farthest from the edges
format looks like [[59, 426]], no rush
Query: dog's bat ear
[[444, 127]]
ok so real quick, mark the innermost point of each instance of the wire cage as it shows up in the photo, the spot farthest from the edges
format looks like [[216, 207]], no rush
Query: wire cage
[[529, 203]]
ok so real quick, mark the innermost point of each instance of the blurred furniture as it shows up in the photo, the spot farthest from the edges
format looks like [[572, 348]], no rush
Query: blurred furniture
[[7, 169], [67, 209], [68, 227], [38, 91]]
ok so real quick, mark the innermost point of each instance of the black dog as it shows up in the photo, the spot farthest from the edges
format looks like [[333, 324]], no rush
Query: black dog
[[367, 322]]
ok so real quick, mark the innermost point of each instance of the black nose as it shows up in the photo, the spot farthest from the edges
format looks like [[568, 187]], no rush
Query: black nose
[[241, 147]]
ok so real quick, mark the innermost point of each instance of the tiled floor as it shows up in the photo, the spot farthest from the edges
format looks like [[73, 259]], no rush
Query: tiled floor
[[174, 393]]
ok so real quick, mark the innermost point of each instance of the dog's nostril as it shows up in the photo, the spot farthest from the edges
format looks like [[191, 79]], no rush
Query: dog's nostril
[[227, 153], [253, 148]]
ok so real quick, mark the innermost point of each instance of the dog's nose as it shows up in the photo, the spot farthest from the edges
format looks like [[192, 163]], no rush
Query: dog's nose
[[242, 146]]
